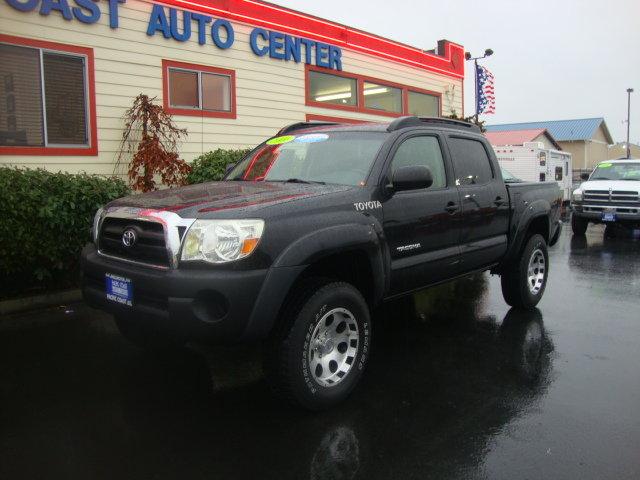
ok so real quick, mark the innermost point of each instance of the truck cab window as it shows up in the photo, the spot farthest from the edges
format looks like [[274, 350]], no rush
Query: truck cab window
[[470, 161], [422, 151]]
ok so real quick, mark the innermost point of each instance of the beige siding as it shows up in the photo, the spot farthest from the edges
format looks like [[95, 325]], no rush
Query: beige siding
[[620, 150], [596, 152], [545, 140], [597, 148], [270, 93], [599, 135], [577, 151]]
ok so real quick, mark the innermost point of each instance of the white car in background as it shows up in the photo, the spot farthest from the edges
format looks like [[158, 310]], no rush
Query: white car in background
[[611, 194]]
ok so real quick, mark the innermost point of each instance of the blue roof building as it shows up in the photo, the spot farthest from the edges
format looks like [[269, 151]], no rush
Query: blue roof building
[[587, 139]]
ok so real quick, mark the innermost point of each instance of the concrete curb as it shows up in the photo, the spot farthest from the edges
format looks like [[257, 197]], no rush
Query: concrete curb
[[39, 301]]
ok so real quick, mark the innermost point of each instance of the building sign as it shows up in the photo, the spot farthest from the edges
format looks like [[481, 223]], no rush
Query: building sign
[[181, 25]]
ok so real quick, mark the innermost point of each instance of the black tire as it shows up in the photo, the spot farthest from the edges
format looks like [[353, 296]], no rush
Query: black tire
[[579, 225], [516, 287], [610, 231], [145, 336], [288, 359]]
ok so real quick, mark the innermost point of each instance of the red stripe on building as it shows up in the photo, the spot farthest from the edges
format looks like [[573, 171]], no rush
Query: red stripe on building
[[285, 20]]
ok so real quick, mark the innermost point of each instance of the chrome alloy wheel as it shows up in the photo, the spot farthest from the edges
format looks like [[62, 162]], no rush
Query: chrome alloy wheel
[[536, 271], [333, 347]]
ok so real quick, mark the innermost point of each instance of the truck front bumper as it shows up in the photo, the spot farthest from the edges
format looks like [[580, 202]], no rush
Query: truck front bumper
[[210, 305], [593, 213]]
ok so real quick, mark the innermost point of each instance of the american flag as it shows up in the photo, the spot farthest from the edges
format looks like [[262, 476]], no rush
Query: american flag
[[486, 96]]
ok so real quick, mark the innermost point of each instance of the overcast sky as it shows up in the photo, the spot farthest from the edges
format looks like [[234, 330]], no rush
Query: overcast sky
[[553, 60]]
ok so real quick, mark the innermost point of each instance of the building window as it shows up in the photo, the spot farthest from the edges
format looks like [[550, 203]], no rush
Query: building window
[[334, 89], [423, 104], [382, 97], [47, 105], [367, 95], [198, 90], [183, 88]]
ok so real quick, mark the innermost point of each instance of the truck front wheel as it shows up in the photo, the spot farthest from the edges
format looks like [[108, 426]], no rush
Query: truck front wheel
[[318, 351], [579, 225], [524, 281]]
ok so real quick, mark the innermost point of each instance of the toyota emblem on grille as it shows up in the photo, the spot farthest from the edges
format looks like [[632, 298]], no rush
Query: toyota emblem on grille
[[129, 237]]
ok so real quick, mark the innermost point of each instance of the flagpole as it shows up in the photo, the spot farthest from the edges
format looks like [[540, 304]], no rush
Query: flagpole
[[487, 53], [475, 61]]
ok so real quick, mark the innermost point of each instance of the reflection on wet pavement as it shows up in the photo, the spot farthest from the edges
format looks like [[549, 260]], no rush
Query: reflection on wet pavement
[[459, 386]]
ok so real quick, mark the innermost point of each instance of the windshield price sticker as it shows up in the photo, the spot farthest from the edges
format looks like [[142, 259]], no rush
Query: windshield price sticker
[[312, 138], [605, 165], [281, 140]]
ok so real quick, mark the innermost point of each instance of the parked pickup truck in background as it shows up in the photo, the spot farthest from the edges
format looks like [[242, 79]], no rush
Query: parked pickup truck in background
[[611, 194], [307, 234]]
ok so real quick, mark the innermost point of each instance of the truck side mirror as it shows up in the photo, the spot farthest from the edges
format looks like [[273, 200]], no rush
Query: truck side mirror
[[584, 176], [412, 177]]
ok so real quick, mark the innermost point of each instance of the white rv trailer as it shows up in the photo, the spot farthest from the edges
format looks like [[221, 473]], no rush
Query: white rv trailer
[[532, 162]]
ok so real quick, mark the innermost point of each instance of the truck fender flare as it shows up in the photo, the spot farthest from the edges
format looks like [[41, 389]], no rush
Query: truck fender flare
[[306, 250], [339, 239], [535, 210], [320, 243]]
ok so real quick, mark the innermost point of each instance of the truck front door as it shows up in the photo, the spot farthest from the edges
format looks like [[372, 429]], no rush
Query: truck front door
[[485, 203], [421, 225]]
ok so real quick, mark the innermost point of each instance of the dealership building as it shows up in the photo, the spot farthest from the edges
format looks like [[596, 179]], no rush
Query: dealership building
[[231, 72]]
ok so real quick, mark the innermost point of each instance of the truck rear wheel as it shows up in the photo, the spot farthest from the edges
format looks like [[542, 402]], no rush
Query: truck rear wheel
[[318, 352], [523, 282], [579, 225]]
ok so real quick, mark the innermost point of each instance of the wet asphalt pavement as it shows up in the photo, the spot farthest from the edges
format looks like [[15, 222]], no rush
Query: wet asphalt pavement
[[459, 386]]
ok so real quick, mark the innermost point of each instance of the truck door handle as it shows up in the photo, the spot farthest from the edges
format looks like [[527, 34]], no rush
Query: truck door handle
[[452, 207], [499, 201]]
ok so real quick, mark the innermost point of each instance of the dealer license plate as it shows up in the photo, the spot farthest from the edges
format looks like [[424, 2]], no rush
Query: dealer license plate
[[119, 289], [608, 217]]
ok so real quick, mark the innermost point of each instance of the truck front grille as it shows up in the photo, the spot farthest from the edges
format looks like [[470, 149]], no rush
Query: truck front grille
[[149, 246], [614, 198]]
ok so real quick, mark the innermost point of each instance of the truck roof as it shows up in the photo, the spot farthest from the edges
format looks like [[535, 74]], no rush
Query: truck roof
[[621, 160], [392, 126]]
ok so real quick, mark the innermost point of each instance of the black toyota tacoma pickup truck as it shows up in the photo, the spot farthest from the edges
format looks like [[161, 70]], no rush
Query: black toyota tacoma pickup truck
[[307, 234]]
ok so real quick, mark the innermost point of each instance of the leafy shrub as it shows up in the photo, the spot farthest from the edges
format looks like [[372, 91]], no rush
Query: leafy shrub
[[212, 165], [46, 220]]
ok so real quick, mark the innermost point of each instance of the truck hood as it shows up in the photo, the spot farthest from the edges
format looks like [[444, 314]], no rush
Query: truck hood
[[227, 199], [626, 185]]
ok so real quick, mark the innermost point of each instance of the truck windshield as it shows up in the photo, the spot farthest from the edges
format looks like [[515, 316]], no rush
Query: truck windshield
[[616, 171], [342, 158]]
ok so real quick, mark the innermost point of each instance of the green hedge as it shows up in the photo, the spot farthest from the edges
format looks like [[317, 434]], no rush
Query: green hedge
[[46, 220], [212, 165]]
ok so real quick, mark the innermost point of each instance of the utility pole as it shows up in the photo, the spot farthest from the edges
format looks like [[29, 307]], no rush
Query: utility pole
[[487, 53], [629, 91]]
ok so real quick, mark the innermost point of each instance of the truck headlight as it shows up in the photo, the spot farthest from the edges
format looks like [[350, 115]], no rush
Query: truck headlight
[[577, 196], [95, 227], [221, 241]]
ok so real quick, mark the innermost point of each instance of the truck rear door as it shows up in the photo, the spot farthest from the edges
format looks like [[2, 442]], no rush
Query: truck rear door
[[485, 203]]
